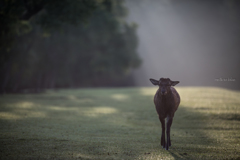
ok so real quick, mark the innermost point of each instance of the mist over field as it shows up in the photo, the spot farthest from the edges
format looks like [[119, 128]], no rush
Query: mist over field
[[195, 42], [118, 43]]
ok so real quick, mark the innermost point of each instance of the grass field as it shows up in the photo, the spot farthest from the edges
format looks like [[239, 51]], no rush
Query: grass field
[[118, 124]]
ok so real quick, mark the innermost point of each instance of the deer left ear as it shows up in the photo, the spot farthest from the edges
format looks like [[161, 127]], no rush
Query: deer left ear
[[154, 82], [173, 83]]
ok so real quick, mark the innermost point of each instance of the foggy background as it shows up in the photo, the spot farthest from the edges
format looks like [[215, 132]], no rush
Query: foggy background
[[118, 43], [194, 42]]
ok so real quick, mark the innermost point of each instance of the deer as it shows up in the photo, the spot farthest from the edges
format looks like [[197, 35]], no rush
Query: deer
[[166, 102]]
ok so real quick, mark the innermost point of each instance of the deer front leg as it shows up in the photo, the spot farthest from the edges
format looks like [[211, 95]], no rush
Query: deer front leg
[[169, 124], [163, 142]]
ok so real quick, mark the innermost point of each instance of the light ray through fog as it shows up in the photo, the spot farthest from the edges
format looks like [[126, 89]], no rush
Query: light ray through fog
[[193, 42]]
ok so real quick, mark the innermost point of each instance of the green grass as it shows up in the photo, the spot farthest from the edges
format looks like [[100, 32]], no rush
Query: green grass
[[118, 124]]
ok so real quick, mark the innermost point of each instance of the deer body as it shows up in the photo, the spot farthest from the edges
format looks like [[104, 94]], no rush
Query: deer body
[[168, 104], [166, 101]]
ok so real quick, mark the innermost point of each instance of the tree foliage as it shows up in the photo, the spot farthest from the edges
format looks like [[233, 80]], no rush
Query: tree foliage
[[49, 52], [49, 14]]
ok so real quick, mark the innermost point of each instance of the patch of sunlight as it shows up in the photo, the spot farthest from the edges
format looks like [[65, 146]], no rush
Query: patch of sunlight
[[148, 91], [7, 115], [119, 97], [25, 105], [156, 156], [104, 110], [63, 108], [99, 111], [34, 114], [21, 114], [77, 99], [72, 97]]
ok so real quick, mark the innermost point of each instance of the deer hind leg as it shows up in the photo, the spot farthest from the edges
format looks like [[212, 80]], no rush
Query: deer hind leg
[[163, 142], [169, 124]]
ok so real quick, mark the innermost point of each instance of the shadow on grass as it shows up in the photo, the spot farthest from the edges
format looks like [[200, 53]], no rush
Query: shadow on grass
[[228, 116], [97, 124]]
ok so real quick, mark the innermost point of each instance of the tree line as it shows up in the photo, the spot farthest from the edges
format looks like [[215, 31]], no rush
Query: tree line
[[67, 43]]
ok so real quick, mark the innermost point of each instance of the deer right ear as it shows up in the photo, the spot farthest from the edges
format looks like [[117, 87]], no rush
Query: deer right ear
[[154, 82]]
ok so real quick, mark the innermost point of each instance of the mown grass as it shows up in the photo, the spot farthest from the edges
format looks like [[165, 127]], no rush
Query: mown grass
[[118, 124]]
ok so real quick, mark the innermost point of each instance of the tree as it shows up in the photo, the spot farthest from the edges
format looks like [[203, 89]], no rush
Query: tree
[[16, 16], [49, 52]]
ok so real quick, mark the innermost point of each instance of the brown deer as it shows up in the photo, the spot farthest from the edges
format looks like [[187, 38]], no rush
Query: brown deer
[[166, 101]]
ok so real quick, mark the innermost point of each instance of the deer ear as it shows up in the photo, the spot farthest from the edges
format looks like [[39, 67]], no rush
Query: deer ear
[[154, 82], [173, 83]]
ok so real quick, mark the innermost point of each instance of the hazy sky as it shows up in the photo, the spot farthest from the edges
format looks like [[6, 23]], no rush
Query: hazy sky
[[195, 43]]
